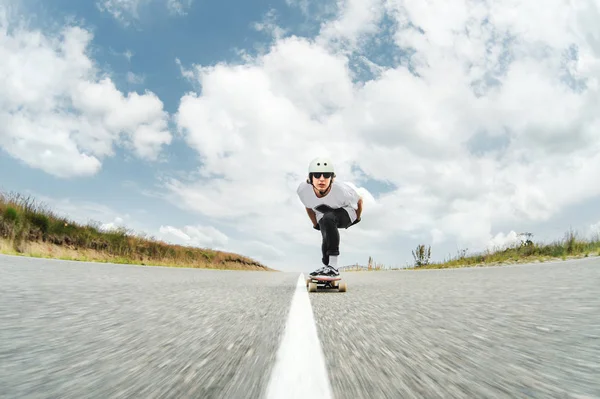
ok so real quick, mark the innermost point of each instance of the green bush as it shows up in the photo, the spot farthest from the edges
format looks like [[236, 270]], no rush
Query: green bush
[[40, 221], [10, 215]]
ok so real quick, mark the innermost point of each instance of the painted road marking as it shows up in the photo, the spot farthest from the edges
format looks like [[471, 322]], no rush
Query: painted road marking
[[299, 370]]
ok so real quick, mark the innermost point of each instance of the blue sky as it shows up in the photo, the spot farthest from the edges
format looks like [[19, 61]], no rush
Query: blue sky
[[392, 91]]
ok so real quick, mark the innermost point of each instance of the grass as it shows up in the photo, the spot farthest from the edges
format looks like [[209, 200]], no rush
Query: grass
[[571, 246], [30, 228]]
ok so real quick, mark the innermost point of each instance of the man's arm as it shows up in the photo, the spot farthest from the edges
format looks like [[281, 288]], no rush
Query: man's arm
[[312, 215], [359, 207]]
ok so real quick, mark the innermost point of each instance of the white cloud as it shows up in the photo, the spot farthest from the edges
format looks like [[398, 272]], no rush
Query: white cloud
[[594, 230], [501, 241], [355, 19], [301, 4], [65, 118], [134, 78], [523, 75], [115, 224], [128, 10], [121, 9], [269, 25], [179, 7], [200, 236]]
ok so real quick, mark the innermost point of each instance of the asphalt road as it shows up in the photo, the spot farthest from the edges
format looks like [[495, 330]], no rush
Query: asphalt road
[[508, 332], [74, 330]]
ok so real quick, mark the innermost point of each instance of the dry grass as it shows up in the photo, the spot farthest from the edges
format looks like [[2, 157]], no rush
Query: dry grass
[[571, 246], [30, 228]]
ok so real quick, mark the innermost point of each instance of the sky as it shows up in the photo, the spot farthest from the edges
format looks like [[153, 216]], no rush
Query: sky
[[460, 123]]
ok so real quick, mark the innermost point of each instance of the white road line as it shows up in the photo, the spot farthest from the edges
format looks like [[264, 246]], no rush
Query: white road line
[[299, 370]]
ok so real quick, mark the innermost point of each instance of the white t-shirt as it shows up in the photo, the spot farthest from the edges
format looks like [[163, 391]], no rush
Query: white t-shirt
[[341, 195]]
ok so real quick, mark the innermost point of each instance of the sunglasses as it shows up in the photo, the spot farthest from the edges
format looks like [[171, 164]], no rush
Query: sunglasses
[[326, 175]]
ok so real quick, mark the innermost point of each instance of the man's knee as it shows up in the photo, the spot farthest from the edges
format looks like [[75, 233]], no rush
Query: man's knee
[[328, 218]]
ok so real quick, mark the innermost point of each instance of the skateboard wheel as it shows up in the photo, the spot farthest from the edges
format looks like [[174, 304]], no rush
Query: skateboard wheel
[[312, 287], [342, 287], [307, 282]]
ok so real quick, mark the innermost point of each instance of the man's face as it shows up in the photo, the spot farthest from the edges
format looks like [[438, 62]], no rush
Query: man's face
[[321, 180]]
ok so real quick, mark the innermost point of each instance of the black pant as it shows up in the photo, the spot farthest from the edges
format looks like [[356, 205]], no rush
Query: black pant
[[329, 225]]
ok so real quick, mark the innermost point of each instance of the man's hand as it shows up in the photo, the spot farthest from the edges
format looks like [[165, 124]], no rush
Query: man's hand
[[317, 227], [312, 216]]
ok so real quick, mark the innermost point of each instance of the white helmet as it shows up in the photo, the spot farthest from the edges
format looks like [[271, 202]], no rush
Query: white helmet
[[321, 165]]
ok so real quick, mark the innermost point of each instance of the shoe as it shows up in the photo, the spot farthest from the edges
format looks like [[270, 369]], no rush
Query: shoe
[[329, 271], [321, 271]]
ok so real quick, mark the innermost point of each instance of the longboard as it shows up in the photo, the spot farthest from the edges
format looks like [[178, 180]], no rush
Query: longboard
[[325, 282]]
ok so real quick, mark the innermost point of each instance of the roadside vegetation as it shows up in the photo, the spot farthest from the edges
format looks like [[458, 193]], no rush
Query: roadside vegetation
[[525, 251], [29, 228]]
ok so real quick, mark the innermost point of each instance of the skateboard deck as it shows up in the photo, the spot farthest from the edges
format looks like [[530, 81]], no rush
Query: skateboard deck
[[313, 283]]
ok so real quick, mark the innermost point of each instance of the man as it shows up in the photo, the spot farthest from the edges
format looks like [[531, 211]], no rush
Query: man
[[330, 205]]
